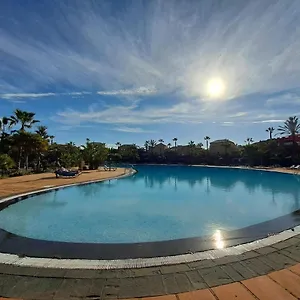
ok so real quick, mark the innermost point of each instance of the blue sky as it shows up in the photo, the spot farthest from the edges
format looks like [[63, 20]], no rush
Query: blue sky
[[129, 71]]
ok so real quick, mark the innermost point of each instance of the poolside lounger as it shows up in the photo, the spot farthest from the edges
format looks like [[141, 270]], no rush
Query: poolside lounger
[[66, 174], [292, 167], [106, 168], [297, 167]]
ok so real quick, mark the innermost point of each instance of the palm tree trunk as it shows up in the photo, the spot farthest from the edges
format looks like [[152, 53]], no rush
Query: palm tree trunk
[[26, 162], [294, 147], [20, 158]]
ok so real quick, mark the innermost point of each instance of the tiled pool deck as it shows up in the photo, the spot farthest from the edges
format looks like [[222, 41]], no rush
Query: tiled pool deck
[[271, 272], [254, 272], [281, 285]]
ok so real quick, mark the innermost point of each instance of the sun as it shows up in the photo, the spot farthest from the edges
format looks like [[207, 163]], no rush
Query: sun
[[215, 87]]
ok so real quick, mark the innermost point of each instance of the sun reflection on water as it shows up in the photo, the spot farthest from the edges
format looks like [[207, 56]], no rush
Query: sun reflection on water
[[219, 242]]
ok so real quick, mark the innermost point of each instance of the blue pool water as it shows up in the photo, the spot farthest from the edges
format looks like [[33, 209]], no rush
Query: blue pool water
[[158, 203]]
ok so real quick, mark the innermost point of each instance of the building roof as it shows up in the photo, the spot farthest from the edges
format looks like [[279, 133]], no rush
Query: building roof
[[222, 141], [161, 144], [289, 138]]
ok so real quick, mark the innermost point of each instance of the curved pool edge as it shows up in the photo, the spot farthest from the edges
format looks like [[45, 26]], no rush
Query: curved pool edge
[[84, 264], [9, 200], [56, 261]]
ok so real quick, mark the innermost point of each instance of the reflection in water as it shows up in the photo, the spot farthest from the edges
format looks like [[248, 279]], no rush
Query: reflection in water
[[224, 179], [158, 203], [219, 242]]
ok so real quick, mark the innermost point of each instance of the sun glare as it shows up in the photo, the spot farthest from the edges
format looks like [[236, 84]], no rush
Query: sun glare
[[215, 88]]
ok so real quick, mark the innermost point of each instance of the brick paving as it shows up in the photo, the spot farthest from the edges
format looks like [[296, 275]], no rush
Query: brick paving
[[279, 285], [272, 272]]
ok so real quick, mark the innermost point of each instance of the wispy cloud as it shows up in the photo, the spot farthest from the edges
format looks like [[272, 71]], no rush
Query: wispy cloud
[[269, 121], [132, 129], [174, 46], [130, 92], [193, 112], [39, 95], [26, 95]]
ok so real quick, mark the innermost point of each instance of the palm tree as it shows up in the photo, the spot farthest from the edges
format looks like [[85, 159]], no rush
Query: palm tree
[[118, 144], [200, 145], [175, 141], [146, 145], [161, 140], [291, 127], [25, 118], [152, 144], [249, 141], [192, 145], [169, 145], [42, 131], [270, 130], [3, 123], [206, 139], [51, 138]]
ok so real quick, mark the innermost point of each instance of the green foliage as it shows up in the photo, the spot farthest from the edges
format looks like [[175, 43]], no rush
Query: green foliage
[[94, 154], [32, 148], [26, 119], [129, 153], [6, 162], [290, 127]]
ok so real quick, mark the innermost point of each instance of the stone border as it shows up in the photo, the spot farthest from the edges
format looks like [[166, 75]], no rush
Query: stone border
[[135, 262], [71, 284]]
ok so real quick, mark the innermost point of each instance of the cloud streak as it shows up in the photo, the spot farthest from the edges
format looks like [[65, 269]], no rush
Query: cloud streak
[[175, 46], [192, 112], [130, 92], [132, 130]]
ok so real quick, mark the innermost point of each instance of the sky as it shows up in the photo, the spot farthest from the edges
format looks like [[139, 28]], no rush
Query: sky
[[130, 71]]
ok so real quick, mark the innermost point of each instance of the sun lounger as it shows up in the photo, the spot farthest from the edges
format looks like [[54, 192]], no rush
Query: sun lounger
[[297, 167], [292, 167], [66, 174], [107, 168]]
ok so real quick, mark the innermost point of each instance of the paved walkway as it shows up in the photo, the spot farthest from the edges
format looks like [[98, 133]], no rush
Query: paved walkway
[[279, 285], [206, 275]]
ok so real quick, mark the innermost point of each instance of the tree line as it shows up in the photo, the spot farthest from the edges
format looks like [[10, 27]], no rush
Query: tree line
[[26, 146]]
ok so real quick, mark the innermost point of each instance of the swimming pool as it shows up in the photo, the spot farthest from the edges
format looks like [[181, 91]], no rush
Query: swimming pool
[[159, 203]]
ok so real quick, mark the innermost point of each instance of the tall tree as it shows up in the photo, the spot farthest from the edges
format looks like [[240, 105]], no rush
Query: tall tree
[[25, 118], [51, 138], [191, 145], [42, 132], [175, 141], [169, 145], [161, 141], [291, 127], [249, 141], [146, 145], [152, 144], [206, 139], [270, 130], [94, 153], [118, 144], [4, 122]]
